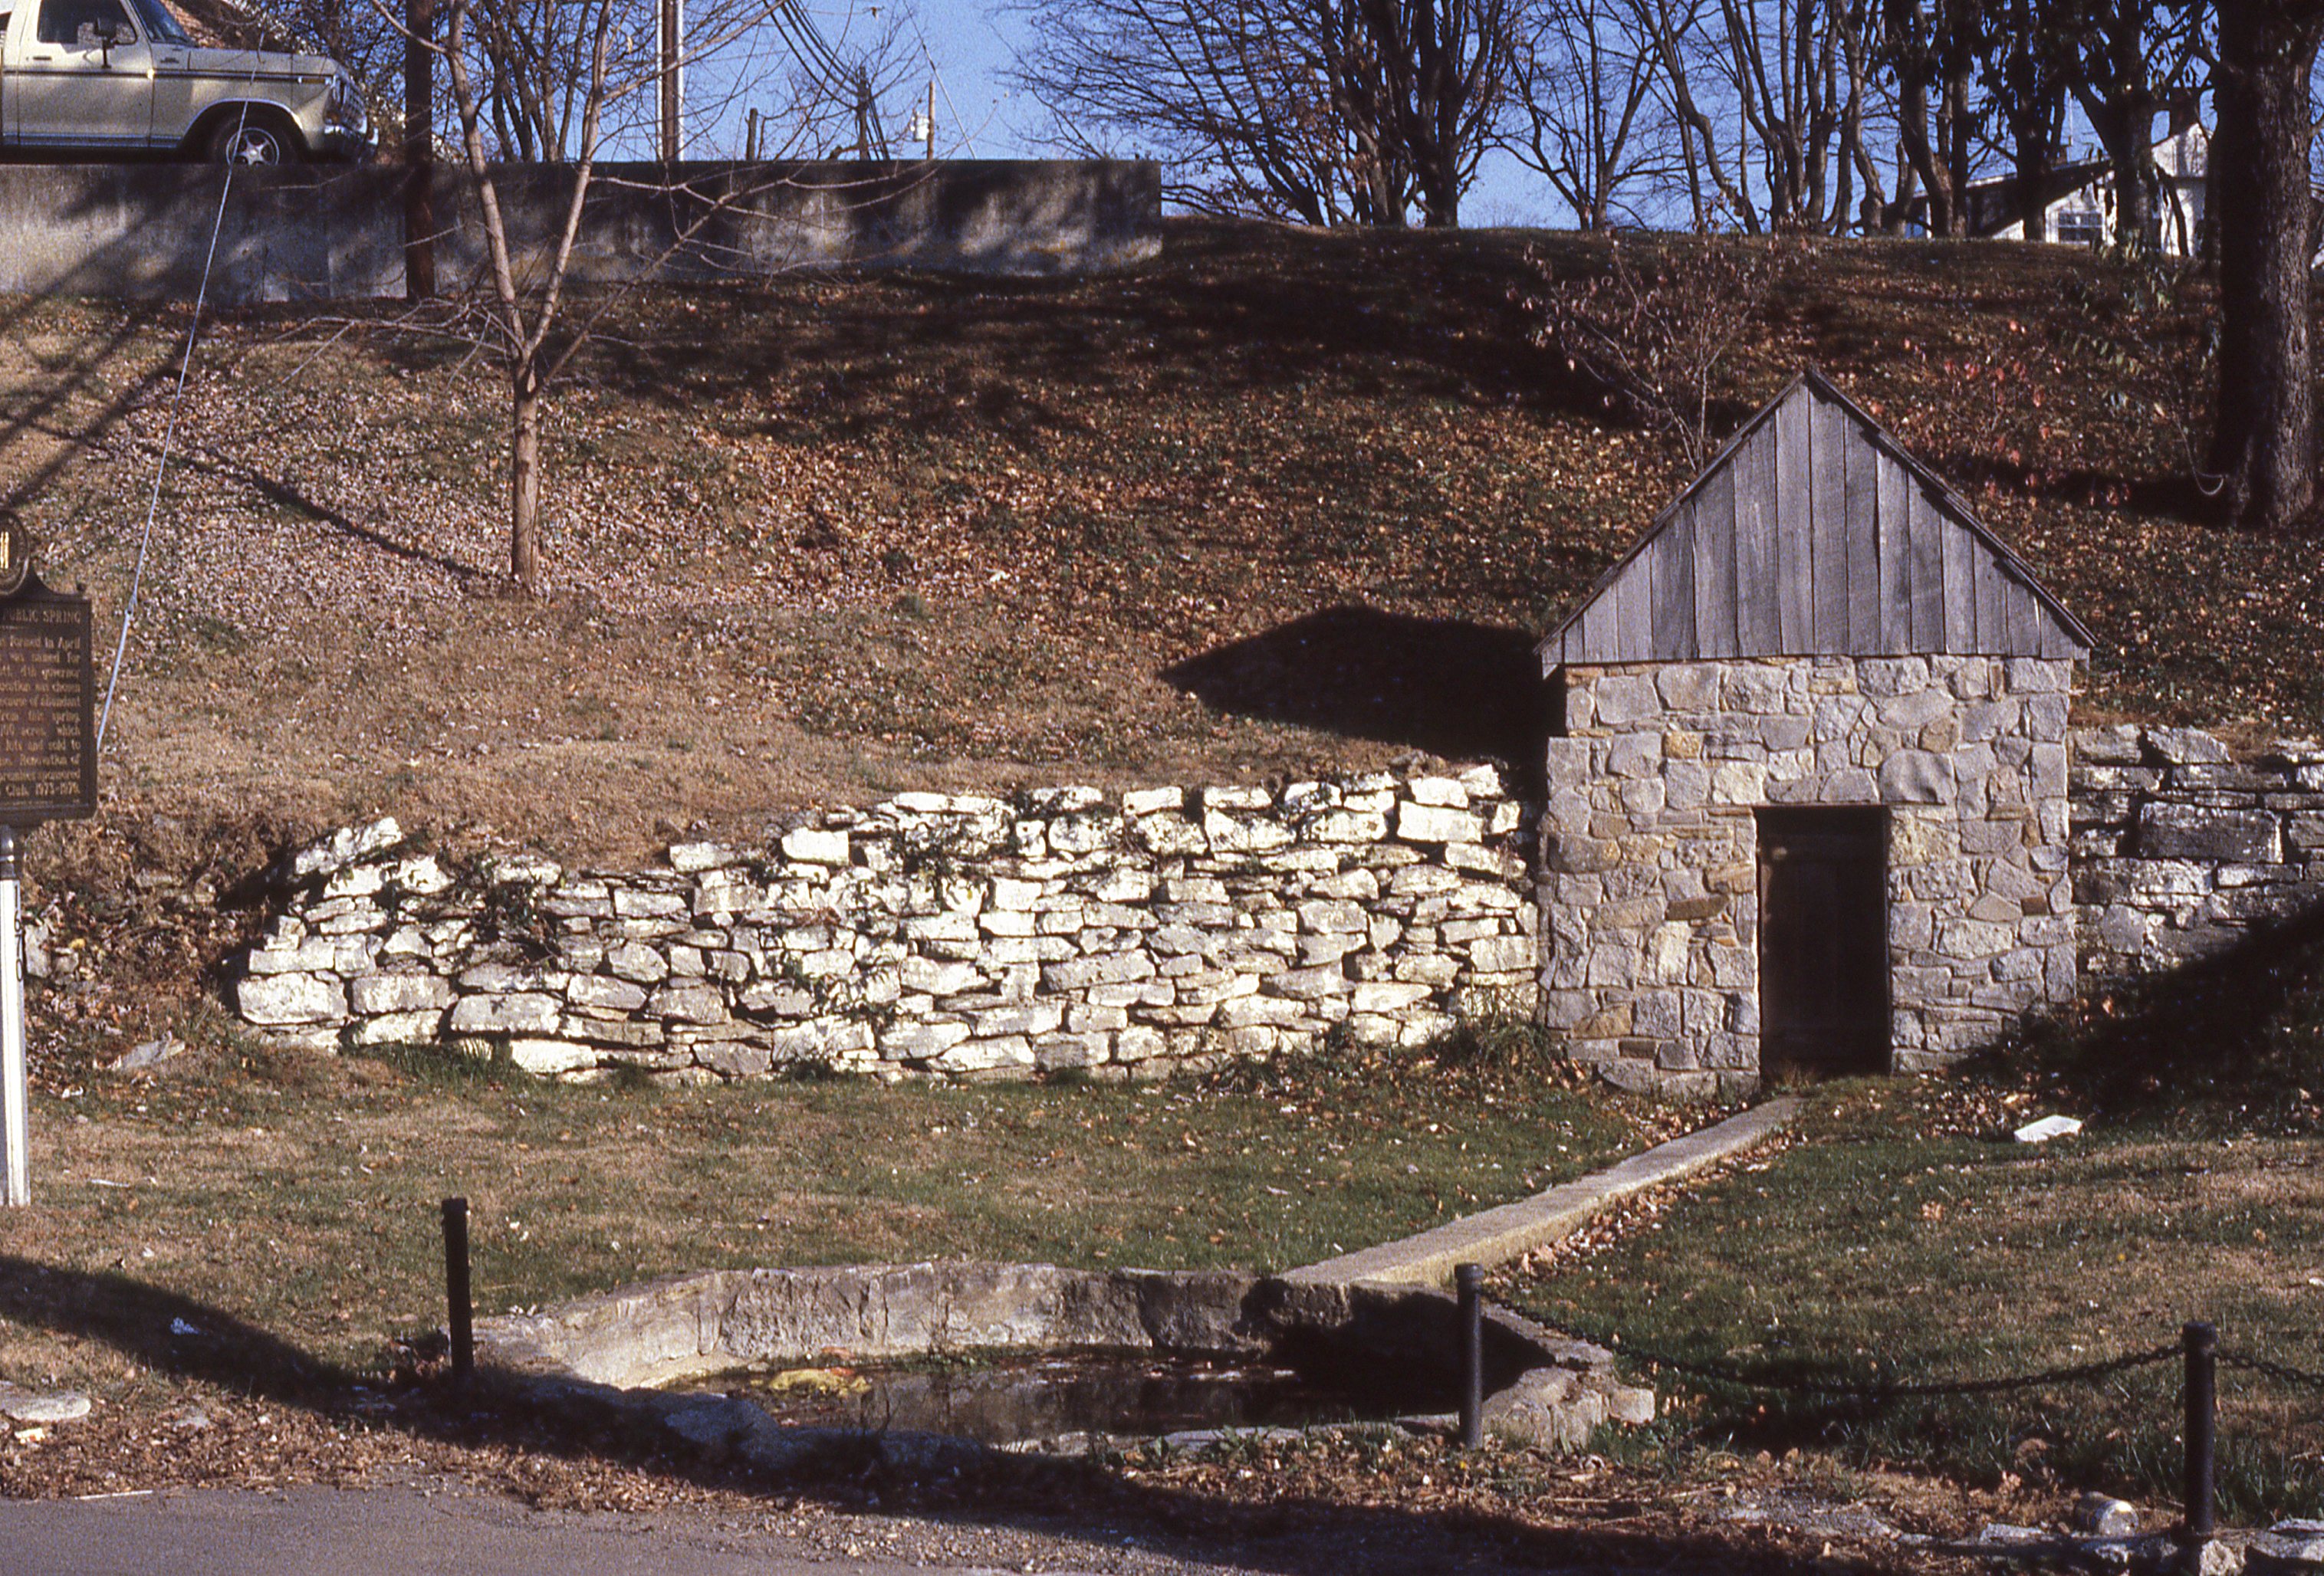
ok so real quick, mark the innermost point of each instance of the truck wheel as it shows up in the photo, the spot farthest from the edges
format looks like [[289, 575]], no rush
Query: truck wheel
[[254, 140]]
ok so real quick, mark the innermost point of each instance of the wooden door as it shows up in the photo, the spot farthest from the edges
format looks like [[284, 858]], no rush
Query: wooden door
[[1824, 941]]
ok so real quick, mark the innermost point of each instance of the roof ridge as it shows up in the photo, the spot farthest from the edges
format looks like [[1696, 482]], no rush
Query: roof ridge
[[1812, 380]]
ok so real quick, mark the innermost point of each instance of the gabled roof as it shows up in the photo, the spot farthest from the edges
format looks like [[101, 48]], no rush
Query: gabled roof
[[1812, 533]]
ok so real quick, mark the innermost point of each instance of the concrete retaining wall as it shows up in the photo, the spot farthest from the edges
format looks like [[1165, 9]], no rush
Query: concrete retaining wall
[[933, 934], [1542, 1388], [327, 232]]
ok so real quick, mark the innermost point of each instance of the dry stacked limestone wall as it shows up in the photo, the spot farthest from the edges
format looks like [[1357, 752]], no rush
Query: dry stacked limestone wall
[[2181, 850], [1128, 934], [1649, 889], [932, 934]]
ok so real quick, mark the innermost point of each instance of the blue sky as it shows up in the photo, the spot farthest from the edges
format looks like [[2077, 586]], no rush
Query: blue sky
[[974, 44]]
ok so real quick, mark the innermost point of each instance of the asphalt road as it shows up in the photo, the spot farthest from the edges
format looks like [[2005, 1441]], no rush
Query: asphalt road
[[411, 1532]]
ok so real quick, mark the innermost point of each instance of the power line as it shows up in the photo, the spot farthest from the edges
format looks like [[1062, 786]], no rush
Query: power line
[[169, 433]]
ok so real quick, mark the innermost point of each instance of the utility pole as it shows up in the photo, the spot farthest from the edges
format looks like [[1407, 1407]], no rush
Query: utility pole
[[870, 136], [671, 79], [419, 150]]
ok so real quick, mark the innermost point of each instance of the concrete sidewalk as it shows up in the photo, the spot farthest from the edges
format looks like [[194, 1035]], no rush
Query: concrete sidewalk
[[1500, 1234]]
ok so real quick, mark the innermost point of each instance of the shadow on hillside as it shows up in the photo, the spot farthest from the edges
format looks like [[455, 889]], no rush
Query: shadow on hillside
[[1460, 690], [2242, 1028], [47, 413], [163, 1331], [2178, 497], [287, 494], [1227, 308], [1291, 1534]]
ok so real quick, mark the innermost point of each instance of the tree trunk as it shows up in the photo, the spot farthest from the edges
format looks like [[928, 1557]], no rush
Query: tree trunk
[[2033, 141], [2134, 207], [2263, 437], [1960, 133], [1927, 158], [2029, 188], [524, 481], [2125, 131]]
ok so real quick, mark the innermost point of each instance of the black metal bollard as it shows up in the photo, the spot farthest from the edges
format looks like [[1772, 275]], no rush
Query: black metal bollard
[[456, 1287], [2202, 1343], [1469, 1280]]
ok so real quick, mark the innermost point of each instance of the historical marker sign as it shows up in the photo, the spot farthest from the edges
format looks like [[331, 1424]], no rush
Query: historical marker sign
[[15, 557], [48, 708]]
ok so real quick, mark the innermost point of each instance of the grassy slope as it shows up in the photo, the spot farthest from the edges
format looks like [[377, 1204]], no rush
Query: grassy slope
[[1905, 1234], [298, 1193], [828, 538]]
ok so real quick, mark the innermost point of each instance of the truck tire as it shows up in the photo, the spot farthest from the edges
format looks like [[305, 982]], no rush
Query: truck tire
[[254, 139]]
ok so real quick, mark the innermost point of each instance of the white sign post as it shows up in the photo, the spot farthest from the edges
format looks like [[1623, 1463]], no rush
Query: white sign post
[[48, 773], [15, 1123]]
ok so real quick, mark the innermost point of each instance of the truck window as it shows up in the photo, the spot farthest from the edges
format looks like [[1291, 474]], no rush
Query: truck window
[[62, 20], [159, 25]]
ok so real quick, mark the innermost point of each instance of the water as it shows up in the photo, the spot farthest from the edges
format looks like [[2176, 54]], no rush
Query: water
[[1007, 1400]]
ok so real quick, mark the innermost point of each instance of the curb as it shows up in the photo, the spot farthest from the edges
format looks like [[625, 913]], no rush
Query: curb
[[1497, 1235]]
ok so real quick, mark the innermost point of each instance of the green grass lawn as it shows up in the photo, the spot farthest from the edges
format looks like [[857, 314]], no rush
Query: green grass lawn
[[1905, 1235], [299, 1194]]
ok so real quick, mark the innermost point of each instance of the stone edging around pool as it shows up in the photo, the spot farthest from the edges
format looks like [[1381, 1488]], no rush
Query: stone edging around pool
[[623, 1348]]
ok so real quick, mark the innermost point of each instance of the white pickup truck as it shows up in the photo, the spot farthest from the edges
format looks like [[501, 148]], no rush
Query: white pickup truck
[[115, 78]]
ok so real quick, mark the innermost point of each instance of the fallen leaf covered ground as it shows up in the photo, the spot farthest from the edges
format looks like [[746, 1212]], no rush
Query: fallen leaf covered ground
[[1277, 505]]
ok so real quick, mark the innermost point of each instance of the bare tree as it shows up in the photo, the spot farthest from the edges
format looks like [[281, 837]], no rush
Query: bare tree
[[1270, 107], [1858, 22], [1797, 95], [533, 74], [1584, 107], [2125, 60], [1319, 111], [1777, 88], [524, 317], [1658, 330], [1443, 65], [1932, 49], [1688, 48], [829, 97], [2027, 76]]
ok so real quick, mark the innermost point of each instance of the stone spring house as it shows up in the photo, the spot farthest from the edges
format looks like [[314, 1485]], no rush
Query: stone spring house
[[1807, 807]]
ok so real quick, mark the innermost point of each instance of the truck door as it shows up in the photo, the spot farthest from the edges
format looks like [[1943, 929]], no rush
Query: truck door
[[69, 89]]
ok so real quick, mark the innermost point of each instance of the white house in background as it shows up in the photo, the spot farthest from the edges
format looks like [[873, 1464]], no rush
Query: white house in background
[[2080, 209], [2084, 216]]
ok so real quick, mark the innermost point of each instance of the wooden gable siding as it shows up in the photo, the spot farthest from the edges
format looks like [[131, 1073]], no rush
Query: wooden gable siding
[[1812, 534]]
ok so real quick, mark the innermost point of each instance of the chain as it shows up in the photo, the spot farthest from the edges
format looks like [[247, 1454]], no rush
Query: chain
[[1874, 1389], [2282, 1373]]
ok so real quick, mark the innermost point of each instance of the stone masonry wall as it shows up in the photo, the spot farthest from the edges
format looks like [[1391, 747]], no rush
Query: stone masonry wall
[[978, 937], [1649, 891], [2181, 850], [929, 935]]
